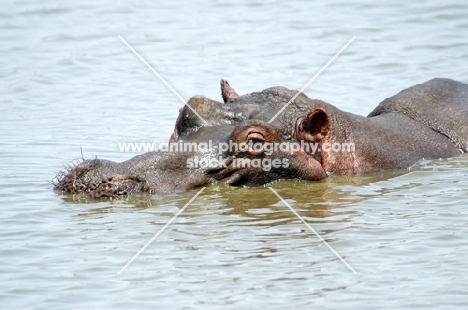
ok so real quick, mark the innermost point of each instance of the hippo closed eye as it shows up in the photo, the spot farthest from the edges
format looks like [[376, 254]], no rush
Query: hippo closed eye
[[245, 143]]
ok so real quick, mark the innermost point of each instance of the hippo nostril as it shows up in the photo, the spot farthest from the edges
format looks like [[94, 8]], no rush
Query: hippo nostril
[[86, 166], [82, 168]]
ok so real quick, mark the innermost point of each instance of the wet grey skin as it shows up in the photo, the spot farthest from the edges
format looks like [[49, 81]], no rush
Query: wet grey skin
[[425, 121]]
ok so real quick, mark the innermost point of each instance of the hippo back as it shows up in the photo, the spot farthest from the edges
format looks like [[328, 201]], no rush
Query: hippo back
[[441, 104]]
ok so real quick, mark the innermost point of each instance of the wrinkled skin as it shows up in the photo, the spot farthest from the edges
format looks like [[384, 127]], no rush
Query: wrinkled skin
[[422, 122]]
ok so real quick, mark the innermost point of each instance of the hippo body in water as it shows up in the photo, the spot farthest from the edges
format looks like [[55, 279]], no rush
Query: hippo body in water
[[247, 142]]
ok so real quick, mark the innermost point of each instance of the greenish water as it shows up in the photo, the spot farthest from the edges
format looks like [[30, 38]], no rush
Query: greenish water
[[68, 86]]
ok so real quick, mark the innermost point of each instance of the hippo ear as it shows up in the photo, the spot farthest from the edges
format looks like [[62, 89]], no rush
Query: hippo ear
[[316, 125], [227, 92]]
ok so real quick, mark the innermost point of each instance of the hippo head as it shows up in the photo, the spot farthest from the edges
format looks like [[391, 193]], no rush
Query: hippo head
[[246, 141]]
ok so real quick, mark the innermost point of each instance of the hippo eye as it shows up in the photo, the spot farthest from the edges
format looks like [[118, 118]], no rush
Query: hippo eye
[[256, 143]]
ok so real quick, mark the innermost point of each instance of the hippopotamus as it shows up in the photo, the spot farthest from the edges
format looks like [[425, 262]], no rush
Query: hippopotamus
[[278, 133]]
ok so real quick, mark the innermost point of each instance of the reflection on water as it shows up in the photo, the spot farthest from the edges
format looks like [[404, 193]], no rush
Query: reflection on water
[[314, 200], [317, 199]]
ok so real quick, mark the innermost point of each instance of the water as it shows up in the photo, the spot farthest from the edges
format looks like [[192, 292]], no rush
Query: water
[[69, 86]]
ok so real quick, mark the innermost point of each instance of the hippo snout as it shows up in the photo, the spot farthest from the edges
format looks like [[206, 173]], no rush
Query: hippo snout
[[97, 178], [81, 169], [78, 179]]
